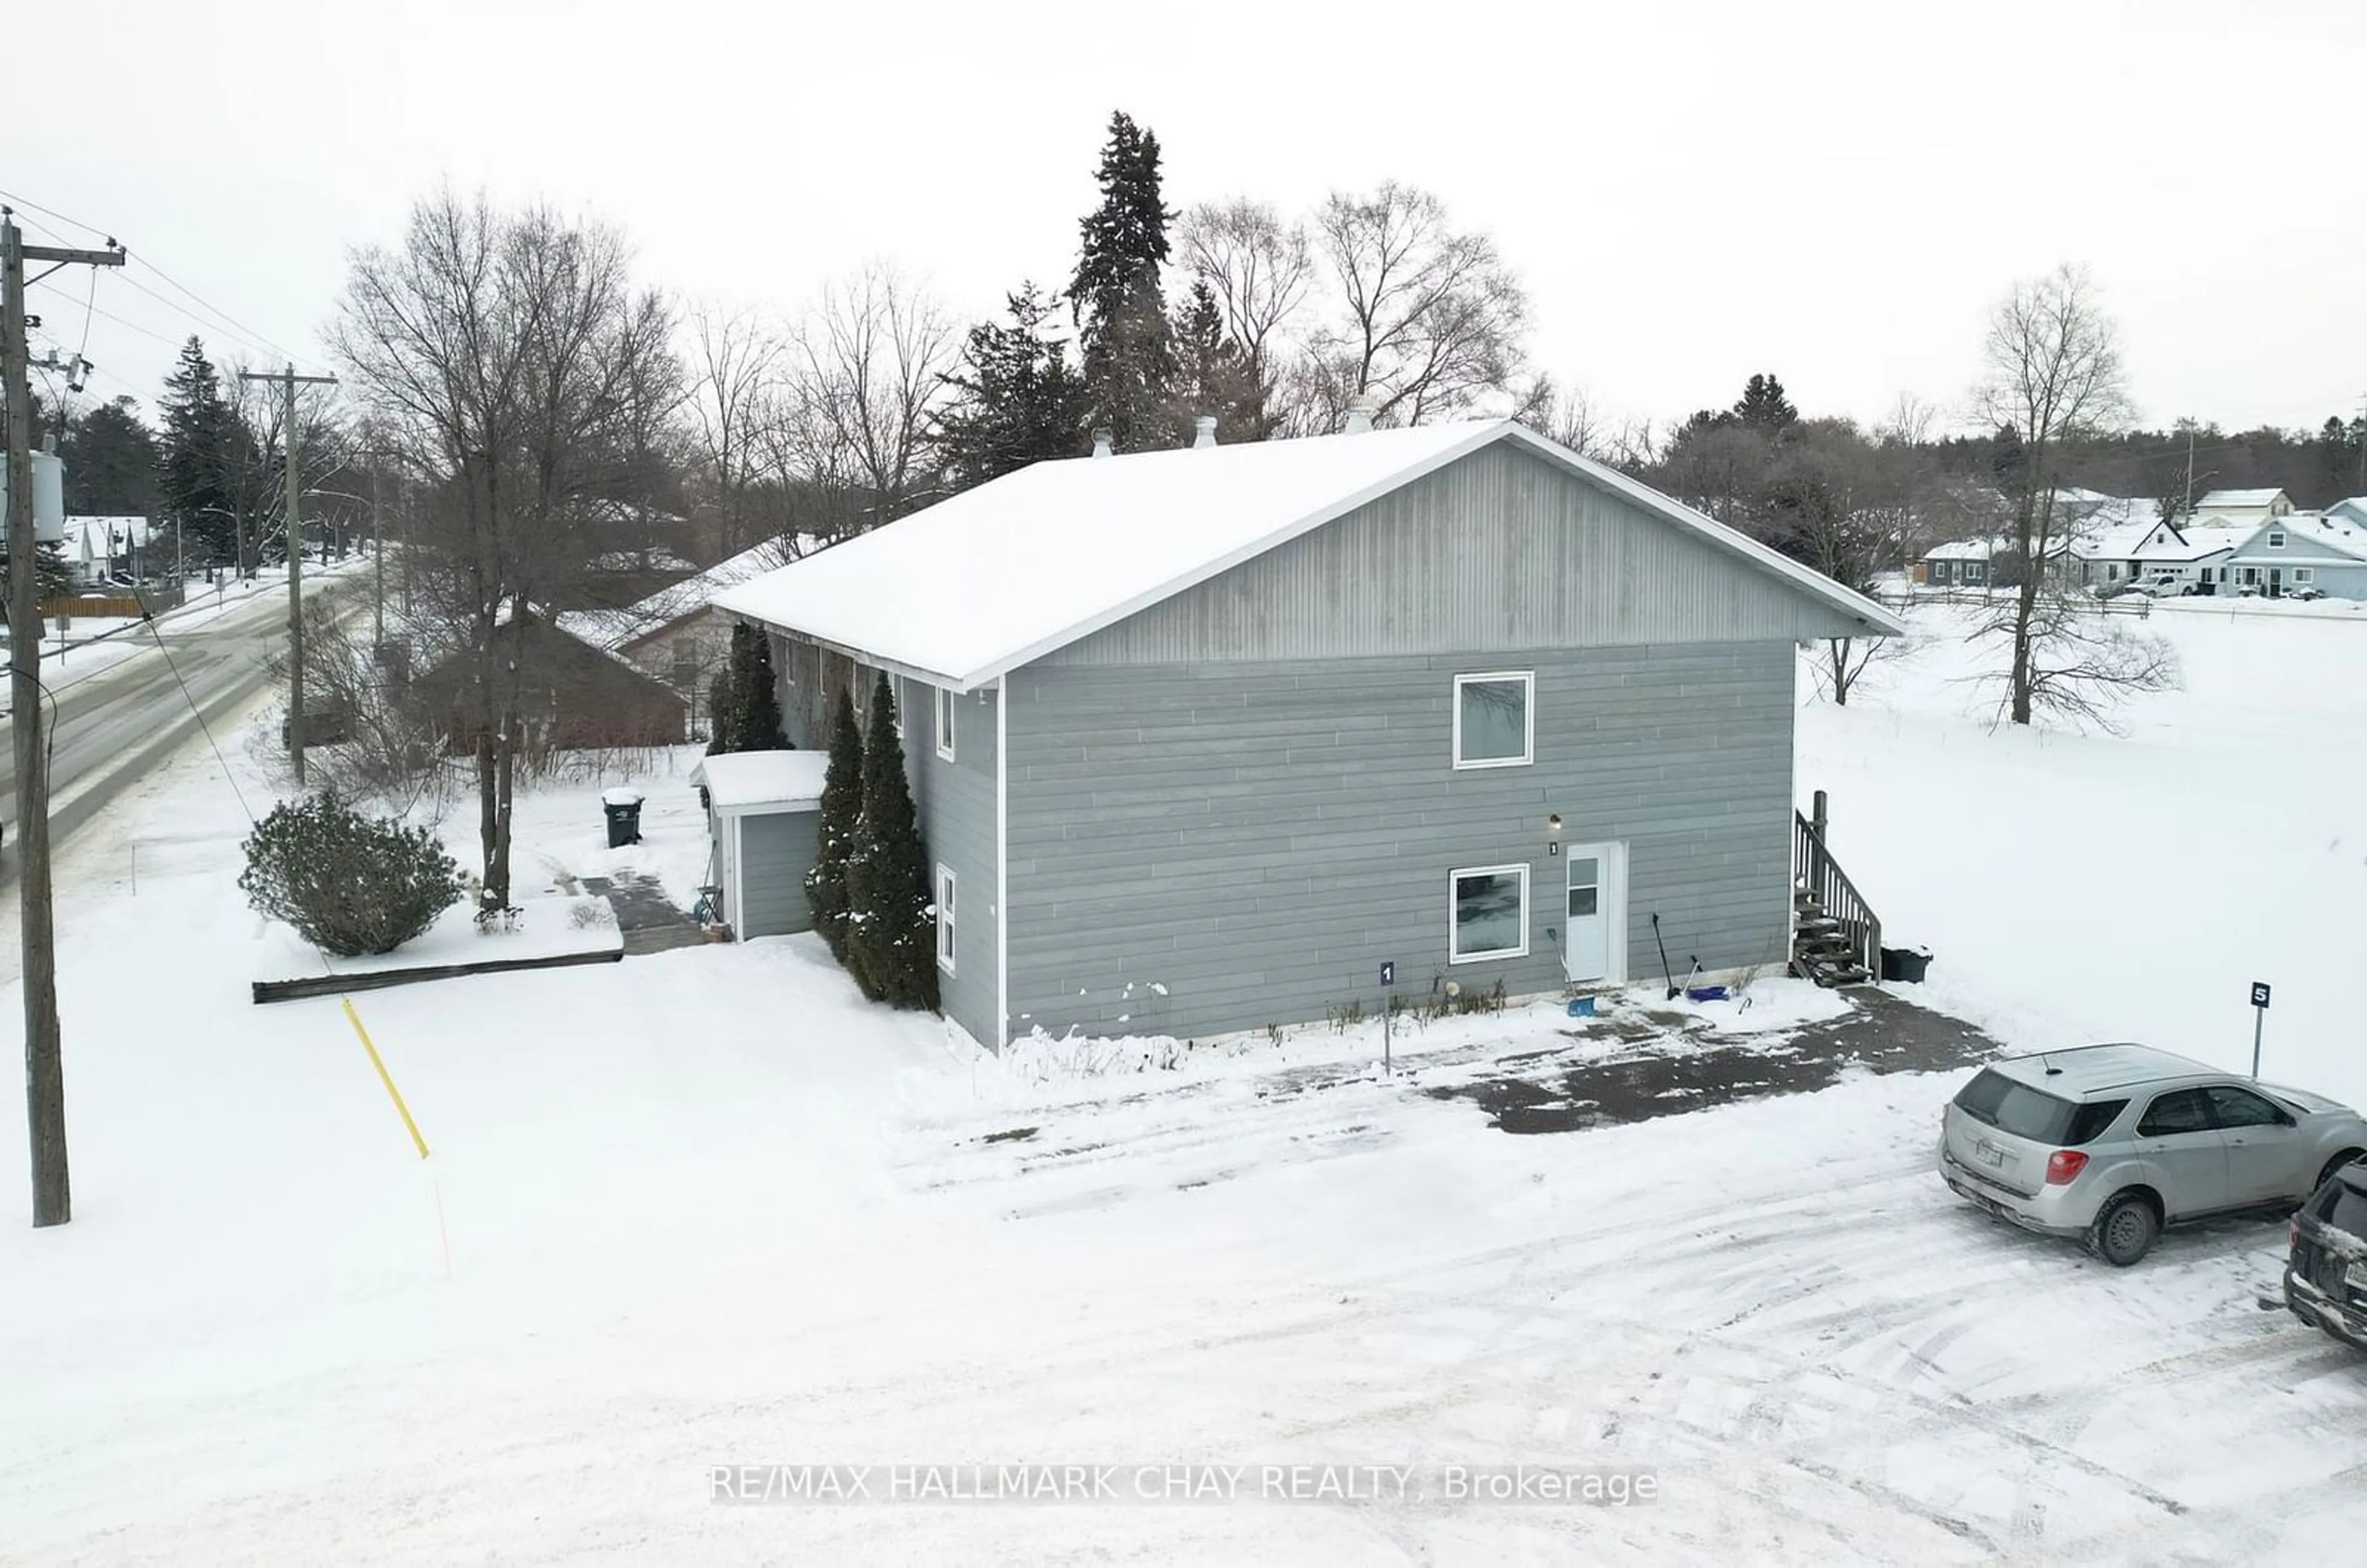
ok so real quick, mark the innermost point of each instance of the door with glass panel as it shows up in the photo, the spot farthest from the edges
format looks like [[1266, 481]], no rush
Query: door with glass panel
[[1591, 900]]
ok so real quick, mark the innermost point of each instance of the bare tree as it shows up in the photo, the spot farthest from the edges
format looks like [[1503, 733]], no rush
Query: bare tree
[[871, 363], [1261, 269], [1423, 318], [2053, 376], [736, 361], [514, 366]]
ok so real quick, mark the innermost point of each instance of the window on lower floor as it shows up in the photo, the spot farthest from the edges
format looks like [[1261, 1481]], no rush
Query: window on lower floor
[[1495, 719], [1487, 913], [944, 712], [2305, 574], [944, 919]]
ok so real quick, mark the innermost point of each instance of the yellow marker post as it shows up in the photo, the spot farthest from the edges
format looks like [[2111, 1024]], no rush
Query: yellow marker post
[[385, 1078]]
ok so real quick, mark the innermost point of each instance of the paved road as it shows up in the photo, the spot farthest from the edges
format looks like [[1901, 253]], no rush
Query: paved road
[[116, 722]]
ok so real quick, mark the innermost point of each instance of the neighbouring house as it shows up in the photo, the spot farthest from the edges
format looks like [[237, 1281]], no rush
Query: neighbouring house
[[2196, 552], [1203, 741], [573, 696], [2353, 510], [2235, 507], [2302, 550], [762, 823], [1965, 563], [99, 549], [677, 634]]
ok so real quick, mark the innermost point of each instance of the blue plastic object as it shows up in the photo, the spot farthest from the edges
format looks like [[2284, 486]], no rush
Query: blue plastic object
[[1583, 1007], [1706, 993]]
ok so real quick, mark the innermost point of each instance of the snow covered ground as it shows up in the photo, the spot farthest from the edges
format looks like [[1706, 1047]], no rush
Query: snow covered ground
[[708, 1208]]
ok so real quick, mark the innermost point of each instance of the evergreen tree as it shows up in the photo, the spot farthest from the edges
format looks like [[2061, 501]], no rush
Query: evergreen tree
[[1212, 376], [891, 926], [199, 468], [842, 807], [1120, 311], [111, 463], [1018, 401], [719, 700], [1764, 408], [51, 578]]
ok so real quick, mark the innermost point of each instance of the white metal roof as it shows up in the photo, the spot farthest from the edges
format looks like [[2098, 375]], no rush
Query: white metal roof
[[2239, 499], [778, 781], [1000, 575]]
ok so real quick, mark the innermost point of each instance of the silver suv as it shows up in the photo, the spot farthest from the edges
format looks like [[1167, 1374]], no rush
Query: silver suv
[[2109, 1143]]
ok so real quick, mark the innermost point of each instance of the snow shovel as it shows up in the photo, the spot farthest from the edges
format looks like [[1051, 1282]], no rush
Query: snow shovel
[[1665, 974]]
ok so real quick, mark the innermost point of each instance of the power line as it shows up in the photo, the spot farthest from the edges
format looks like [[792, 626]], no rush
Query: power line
[[51, 211]]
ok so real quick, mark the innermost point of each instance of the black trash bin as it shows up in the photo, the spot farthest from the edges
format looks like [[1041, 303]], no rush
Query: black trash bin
[[1905, 964], [624, 810]]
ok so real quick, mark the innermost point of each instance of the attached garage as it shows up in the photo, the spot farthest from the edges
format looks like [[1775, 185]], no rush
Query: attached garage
[[763, 822]]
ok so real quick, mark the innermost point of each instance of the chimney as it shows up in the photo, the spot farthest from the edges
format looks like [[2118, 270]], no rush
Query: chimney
[[1102, 439], [1360, 415], [1204, 432]]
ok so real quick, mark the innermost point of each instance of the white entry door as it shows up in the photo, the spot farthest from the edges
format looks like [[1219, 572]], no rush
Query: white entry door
[[1591, 912]]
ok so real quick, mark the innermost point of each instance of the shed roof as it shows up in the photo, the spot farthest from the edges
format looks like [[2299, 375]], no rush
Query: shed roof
[[2238, 498], [743, 780], [1001, 575]]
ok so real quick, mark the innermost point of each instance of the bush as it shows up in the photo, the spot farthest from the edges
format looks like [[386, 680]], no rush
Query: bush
[[350, 884]]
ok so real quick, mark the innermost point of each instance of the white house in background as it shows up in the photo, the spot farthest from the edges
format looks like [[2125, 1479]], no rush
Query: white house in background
[[2302, 550], [98, 548], [2242, 506], [2109, 554], [2353, 510], [2197, 552]]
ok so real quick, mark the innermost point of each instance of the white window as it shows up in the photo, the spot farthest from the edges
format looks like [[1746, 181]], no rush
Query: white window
[[2276, 540], [945, 705], [1487, 913], [1495, 719], [2305, 574], [944, 919]]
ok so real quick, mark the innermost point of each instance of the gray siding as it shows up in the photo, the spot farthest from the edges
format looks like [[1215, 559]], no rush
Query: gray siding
[[776, 850], [1199, 848], [1501, 550], [954, 802]]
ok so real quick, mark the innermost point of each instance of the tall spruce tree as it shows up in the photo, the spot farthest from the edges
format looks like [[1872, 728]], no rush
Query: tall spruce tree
[[111, 462], [1120, 310], [1764, 408], [842, 811], [760, 703], [1017, 398], [890, 929], [199, 456], [1212, 374]]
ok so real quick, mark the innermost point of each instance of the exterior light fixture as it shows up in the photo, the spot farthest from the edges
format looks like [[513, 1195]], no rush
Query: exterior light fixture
[[1553, 823]]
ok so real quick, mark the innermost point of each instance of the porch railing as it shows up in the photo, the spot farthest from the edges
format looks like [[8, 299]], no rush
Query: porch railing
[[1816, 875]]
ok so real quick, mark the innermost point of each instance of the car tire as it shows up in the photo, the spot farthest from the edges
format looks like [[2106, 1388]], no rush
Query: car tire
[[2123, 1230], [2336, 1163]]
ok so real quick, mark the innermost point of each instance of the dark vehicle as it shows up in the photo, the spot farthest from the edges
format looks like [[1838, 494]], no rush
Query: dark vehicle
[[2325, 1273]]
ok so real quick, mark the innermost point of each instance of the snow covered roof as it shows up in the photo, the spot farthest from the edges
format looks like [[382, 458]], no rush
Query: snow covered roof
[[1968, 549], [742, 781], [679, 600], [2239, 500], [2120, 541], [2196, 541], [997, 575], [95, 538]]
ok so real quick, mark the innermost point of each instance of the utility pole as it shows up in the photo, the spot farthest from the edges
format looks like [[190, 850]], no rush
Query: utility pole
[[288, 379], [45, 1081]]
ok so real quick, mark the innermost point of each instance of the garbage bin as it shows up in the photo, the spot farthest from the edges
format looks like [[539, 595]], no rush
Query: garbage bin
[[1905, 964], [624, 810]]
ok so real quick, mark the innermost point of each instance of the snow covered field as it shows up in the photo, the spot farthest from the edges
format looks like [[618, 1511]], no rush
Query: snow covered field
[[708, 1208]]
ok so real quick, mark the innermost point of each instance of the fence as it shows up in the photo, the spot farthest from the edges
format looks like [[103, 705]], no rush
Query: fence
[[117, 606]]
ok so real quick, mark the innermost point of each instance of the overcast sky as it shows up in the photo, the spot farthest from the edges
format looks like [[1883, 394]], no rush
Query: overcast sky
[[1834, 191]]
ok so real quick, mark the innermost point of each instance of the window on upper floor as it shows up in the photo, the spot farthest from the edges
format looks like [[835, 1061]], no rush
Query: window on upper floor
[[1495, 719], [2276, 539], [944, 721]]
